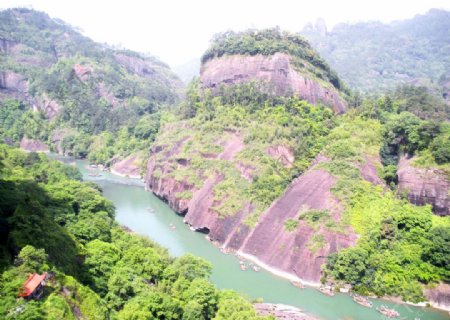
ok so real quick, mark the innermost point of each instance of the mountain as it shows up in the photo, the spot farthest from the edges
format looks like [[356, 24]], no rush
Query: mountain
[[295, 184], [268, 153], [374, 57], [54, 225], [78, 89], [284, 64]]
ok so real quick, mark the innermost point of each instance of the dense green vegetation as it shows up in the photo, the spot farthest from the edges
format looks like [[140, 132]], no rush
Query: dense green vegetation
[[371, 56], [407, 121], [87, 94], [268, 42], [256, 122], [248, 144], [412, 126], [396, 252], [51, 221]]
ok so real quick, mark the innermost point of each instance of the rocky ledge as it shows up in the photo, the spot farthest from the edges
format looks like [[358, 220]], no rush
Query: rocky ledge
[[277, 71], [424, 186], [129, 167], [31, 145], [296, 253]]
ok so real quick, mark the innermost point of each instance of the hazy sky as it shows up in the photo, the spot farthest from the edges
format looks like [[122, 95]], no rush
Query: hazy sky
[[177, 30]]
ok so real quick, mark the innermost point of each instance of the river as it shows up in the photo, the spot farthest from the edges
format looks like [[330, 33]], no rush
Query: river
[[132, 203]]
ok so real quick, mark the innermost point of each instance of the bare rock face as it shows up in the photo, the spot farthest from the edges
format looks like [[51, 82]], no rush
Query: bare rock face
[[135, 64], [146, 67], [128, 167], [31, 145], [369, 171], [6, 46], [439, 297], [13, 82], [276, 71], [424, 186], [57, 137], [298, 252], [301, 251], [83, 73], [48, 106], [105, 93], [282, 154]]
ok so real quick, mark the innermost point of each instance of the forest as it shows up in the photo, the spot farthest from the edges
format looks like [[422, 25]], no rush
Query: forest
[[401, 247], [110, 103], [52, 221]]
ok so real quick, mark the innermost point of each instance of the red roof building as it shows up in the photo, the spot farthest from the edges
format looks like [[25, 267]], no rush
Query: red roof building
[[34, 286]]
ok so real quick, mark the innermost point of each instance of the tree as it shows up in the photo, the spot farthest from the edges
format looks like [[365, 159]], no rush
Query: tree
[[438, 252], [100, 260], [232, 306], [205, 294], [349, 264], [440, 147], [32, 259], [190, 267], [193, 311], [151, 305]]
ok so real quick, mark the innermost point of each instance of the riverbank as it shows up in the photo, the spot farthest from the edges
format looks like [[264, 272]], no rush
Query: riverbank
[[275, 271], [132, 203], [124, 175], [281, 311]]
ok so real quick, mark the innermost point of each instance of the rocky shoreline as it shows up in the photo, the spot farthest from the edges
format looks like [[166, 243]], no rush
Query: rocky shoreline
[[282, 311]]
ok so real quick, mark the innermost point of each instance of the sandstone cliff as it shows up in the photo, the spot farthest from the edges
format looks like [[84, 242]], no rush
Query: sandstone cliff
[[298, 252], [276, 71], [128, 167], [31, 145], [439, 297], [424, 186]]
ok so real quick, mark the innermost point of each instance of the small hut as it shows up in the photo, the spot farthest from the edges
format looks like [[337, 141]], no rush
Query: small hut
[[33, 287]]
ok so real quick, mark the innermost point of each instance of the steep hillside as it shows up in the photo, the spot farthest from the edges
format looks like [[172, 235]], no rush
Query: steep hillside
[[296, 187], [371, 56], [292, 184], [283, 63], [64, 80], [52, 222]]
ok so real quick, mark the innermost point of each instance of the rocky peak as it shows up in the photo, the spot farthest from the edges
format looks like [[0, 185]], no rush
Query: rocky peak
[[277, 71], [284, 63]]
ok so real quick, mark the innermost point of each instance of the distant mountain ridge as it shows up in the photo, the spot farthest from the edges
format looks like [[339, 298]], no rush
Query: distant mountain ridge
[[79, 87], [372, 56]]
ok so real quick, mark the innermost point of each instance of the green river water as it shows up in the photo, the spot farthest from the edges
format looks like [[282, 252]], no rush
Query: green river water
[[132, 203]]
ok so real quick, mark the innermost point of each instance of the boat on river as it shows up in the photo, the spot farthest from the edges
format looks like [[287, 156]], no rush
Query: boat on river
[[255, 268], [298, 284], [94, 174], [328, 290], [127, 198], [390, 313], [364, 301]]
